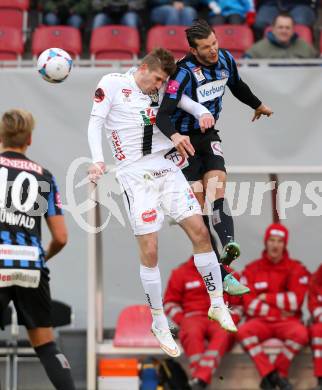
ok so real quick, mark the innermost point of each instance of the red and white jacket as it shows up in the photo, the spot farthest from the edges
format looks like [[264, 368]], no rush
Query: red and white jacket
[[186, 294], [284, 284], [315, 295]]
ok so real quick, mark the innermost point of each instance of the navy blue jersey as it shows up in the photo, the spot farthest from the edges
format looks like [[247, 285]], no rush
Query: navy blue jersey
[[28, 192], [203, 84]]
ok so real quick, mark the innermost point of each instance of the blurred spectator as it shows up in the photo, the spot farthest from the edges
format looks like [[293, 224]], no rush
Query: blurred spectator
[[229, 11], [186, 303], [281, 42], [123, 12], [300, 10], [315, 307], [179, 13], [278, 285], [70, 12]]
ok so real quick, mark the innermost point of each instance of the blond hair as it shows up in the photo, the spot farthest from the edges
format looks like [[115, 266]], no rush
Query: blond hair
[[16, 127]]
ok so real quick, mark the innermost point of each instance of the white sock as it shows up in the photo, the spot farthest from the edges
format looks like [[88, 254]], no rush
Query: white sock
[[151, 281], [209, 268]]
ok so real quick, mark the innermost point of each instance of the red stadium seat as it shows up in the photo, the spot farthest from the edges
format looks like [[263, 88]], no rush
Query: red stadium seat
[[172, 38], [115, 42], [133, 328], [235, 38], [11, 43], [303, 32], [64, 37], [13, 13]]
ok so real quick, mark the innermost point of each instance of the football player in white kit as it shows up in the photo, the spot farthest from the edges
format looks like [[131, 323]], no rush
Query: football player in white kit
[[125, 105]]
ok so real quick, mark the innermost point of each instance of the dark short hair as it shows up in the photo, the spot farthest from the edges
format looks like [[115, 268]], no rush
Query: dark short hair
[[200, 29], [160, 58], [283, 15]]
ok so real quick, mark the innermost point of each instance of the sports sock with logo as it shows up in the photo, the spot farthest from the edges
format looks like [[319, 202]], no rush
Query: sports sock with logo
[[151, 281], [209, 268], [222, 221], [56, 366]]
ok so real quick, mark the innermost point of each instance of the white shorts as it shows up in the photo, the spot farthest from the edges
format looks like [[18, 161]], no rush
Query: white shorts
[[155, 187]]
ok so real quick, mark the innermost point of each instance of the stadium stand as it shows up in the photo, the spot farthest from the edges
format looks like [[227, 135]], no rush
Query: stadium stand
[[14, 13], [11, 44], [303, 32], [235, 38], [114, 42], [65, 37], [170, 37]]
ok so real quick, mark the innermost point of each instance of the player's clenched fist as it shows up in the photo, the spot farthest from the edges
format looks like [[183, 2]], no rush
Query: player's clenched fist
[[95, 171], [183, 144]]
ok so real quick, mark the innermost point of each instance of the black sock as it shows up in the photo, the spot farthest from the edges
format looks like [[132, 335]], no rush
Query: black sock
[[56, 366], [320, 381], [222, 221], [224, 273]]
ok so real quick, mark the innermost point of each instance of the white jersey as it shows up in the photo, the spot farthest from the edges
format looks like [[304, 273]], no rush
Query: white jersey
[[130, 117]]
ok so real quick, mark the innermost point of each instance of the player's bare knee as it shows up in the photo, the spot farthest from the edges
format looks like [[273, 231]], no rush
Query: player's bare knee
[[149, 255], [40, 336], [200, 236]]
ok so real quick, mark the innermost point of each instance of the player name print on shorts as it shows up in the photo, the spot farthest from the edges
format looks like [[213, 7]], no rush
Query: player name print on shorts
[[216, 148], [198, 74]]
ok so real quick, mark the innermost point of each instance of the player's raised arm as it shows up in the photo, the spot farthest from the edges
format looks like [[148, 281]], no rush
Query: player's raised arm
[[100, 110], [242, 91]]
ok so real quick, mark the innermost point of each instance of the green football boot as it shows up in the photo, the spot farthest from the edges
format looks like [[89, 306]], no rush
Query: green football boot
[[233, 287], [231, 252]]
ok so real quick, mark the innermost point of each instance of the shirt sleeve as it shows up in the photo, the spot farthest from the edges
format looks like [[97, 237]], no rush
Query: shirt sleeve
[[54, 200], [103, 97], [95, 126], [175, 89], [192, 107]]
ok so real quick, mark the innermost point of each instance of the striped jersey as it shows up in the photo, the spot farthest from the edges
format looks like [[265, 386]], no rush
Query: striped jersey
[[203, 84], [28, 192]]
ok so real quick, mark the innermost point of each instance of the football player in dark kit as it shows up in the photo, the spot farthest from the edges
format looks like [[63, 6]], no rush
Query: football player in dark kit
[[203, 75], [28, 192]]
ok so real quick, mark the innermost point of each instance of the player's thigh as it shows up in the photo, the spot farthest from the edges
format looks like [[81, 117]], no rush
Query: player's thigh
[[40, 336], [198, 190], [5, 298], [214, 183], [177, 198], [33, 305], [141, 200]]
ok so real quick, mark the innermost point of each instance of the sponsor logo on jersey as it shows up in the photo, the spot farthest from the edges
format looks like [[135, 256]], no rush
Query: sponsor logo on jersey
[[209, 280], [117, 146], [260, 285], [25, 165], [161, 172], [211, 91], [126, 92], [197, 71], [173, 86], [194, 284], [179, 160], [216, 148], [149, 216], [225, 74], [99, 95], [17, 219], [148, 116], [19, 252]]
